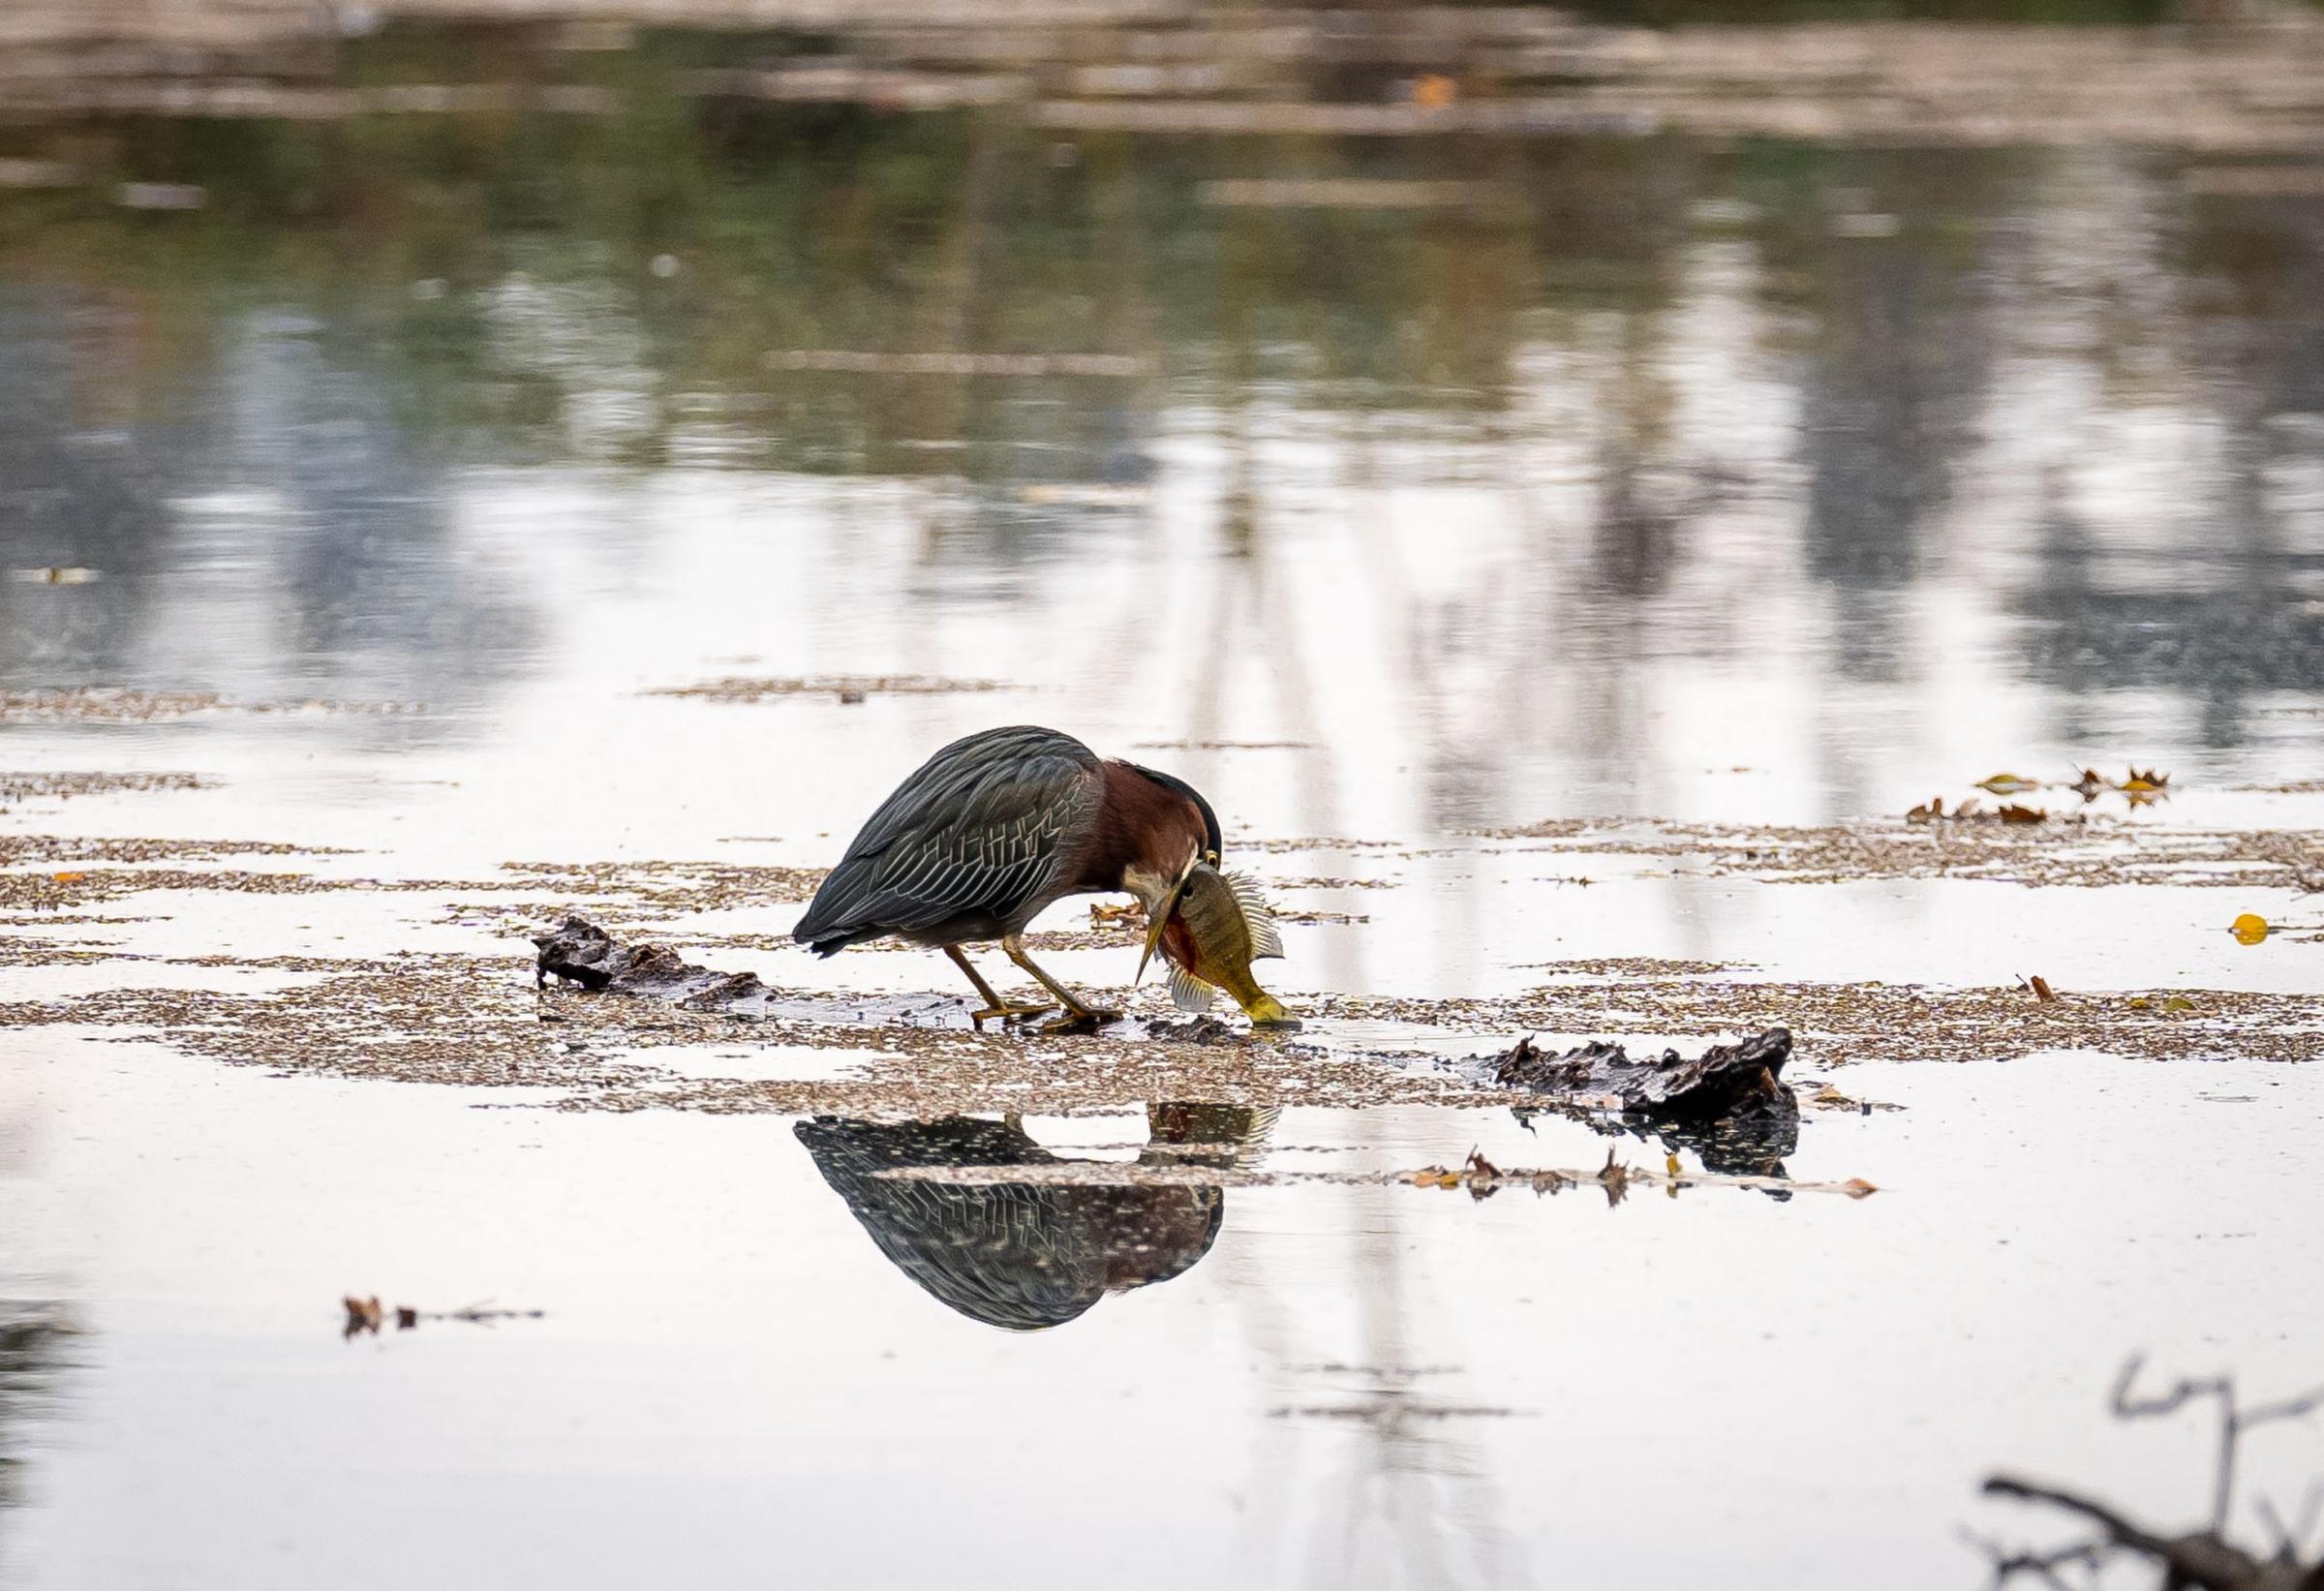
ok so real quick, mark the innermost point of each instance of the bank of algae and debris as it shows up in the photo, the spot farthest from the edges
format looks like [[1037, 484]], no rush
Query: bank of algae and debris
[[469, 1014]]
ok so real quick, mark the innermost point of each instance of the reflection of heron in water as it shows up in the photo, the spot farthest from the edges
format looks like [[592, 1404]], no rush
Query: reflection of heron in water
[[1026, 1256]]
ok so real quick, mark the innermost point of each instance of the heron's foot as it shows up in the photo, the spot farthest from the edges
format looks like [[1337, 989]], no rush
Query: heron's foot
[[1080, 1019], [1008, 1013]]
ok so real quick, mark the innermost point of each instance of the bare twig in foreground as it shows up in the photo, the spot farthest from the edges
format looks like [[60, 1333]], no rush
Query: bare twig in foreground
[[2203, 1560]]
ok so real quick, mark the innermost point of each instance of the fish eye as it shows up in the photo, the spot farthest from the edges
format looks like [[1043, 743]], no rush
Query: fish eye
[[1211, 857]]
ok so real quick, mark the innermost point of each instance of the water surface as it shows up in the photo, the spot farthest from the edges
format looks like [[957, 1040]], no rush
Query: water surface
[[1394, 489]]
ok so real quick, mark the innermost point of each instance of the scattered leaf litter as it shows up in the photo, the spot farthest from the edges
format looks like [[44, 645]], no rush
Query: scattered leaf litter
[[118, 706], [1837, 1023], [64, 787], [738, 688], [1478, 1176], [2088, 855]]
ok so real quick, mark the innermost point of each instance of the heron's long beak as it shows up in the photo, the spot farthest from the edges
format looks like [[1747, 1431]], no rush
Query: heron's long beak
[[1159, 919]]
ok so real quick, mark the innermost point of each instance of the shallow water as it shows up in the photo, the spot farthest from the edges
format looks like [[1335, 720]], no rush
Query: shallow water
[[1349, 1382], [1762, 485]]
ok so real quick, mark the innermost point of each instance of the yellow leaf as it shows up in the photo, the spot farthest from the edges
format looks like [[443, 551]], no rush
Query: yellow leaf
[[1432, 91], [67, 877], [2249, 929], [2007, 784], [2177, 1003]]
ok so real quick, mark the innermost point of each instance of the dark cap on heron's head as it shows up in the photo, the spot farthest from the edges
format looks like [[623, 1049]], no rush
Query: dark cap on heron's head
[[1214, 844]]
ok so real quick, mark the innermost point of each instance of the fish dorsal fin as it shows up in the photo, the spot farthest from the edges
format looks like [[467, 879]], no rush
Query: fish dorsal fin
[[1187, 991], [1266, 941]]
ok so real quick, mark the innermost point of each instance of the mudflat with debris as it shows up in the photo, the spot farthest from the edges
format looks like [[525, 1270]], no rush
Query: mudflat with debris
[[1744, 592]]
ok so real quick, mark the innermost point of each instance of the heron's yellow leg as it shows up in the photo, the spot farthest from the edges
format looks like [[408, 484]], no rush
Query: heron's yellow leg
[[1079, 1013], [994, 1005]]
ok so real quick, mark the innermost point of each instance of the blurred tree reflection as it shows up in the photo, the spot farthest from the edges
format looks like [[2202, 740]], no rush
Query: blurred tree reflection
[[366, 308]]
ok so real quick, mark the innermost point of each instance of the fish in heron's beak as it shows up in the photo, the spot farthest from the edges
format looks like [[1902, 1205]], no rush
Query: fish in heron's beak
[[1216, 924]]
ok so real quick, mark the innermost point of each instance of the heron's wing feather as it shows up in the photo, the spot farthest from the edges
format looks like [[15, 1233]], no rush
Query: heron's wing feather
[[986, 825]]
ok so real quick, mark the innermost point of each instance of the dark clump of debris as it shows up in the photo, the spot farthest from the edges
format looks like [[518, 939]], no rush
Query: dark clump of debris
[[1729, 1104], [1202, 1029], [583, 953], [1727, 1079]]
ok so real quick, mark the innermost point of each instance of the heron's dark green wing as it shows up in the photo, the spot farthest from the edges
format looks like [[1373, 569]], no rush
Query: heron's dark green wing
[[983, 827]]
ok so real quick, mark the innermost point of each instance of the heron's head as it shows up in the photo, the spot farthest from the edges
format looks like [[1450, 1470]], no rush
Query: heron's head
[[1160, 878], [1213, 845]]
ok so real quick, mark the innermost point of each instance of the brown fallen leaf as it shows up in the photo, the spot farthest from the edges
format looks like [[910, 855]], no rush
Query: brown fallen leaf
[[1614, 1177], [1855, 1188], [366, 1315], [2089, 784], [1832, 1099], [1478, 1166], [1928, 811], [2041, 988], [2011, 812], [1100, 913]]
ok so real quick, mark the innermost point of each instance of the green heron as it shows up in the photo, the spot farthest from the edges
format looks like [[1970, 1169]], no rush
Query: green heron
[[993, 830], [1029, 1255]]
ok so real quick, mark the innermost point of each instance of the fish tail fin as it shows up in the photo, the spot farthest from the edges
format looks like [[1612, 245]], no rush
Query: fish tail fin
[[1266, 1011]]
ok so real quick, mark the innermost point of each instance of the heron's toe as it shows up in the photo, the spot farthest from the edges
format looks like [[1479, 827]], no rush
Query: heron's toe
[[1085, 1021], [1009, 1013]]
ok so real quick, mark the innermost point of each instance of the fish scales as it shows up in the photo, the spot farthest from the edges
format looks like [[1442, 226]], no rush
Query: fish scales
[[1219, 927]]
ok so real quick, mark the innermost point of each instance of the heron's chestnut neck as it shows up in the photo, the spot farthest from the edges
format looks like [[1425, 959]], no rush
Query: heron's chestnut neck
[[1145, 835]]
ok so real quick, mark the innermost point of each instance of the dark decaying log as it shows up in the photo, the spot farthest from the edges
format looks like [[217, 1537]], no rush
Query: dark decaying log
[[1729, 1104], [1727, 1079], [587, 955]]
